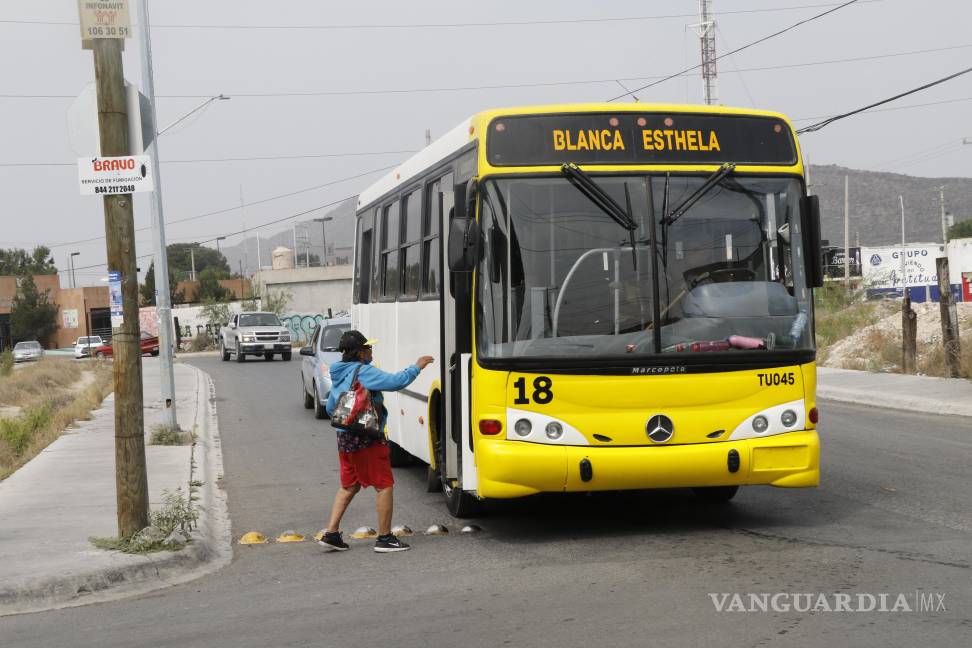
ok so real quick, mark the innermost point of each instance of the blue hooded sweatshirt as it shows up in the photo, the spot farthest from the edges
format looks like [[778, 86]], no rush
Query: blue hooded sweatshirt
[[372, 379]]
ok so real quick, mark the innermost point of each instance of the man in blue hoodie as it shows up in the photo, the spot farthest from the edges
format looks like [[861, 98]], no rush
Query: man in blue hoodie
[[364, 461]]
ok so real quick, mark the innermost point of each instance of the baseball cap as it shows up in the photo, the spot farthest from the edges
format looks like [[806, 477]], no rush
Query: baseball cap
[[353, 340]]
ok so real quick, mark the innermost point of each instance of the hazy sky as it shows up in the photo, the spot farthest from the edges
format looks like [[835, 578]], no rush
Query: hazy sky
[[330, 47]]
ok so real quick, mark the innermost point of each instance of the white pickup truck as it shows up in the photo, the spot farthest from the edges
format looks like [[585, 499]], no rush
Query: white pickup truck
[[258, 334]]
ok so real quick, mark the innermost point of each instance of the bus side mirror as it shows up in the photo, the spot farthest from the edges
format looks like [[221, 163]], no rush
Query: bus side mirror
[[465, 244], [813, 255]]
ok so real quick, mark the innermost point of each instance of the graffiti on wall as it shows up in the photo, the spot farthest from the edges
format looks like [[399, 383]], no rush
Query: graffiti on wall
[[302, 326]]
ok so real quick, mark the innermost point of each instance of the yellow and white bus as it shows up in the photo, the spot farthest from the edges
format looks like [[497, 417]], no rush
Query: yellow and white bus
[[616, 296]]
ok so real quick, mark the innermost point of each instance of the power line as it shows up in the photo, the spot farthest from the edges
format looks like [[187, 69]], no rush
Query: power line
[[264, 158], [507, 23], [740, 49], [815, 127], [908, 107], [237, 206], [243, 231], [528, 84]]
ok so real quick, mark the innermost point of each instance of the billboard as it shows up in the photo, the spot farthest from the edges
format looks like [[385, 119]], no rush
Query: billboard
[[833, 262], [882, 265]]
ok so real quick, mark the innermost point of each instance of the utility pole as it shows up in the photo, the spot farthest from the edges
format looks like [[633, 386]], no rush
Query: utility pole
[[428, 136], [163, 305], [950, 324], [74, 281], [323, 221], [131, 481], [847, 234], [242, 285], [295, 243], [192, 263], [941, 203], [246, 261], [909, 318], [706, 30]]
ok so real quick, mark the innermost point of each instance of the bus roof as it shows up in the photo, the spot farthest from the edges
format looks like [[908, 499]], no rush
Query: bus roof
[[472, 128]]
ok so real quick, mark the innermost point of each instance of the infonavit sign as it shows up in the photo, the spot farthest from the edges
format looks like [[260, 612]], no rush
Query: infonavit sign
[[104, 19]]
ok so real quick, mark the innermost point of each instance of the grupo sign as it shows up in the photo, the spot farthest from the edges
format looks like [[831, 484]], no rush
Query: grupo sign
[[115, 175], [882, 266], [104, 19]]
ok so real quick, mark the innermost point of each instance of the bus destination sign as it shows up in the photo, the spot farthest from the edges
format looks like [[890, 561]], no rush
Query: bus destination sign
[[638, 138]]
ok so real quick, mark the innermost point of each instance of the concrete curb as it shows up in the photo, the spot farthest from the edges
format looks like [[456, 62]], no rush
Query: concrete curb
[[898, 396], [210, 549]]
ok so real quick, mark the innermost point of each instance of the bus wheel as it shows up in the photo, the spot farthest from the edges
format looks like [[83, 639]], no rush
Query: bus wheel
[[716, 494], [460, 503], [398, 457]]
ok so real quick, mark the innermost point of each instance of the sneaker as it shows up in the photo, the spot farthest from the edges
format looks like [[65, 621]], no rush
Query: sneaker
[[389, 544], [333, 541]]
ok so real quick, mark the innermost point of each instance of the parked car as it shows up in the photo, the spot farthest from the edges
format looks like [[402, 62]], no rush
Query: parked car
[[255, 334], [148, 344], [315, 366], [84, 347], [27, 351]]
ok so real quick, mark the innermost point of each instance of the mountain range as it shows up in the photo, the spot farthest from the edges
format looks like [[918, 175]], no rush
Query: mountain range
[[874, 214]]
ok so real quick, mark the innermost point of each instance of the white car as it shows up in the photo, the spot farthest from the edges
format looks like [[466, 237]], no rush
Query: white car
[[25, 351], [85, 346]]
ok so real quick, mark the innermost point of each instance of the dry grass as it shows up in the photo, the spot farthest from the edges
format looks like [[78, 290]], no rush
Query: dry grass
[[36, 382], [50, 404]]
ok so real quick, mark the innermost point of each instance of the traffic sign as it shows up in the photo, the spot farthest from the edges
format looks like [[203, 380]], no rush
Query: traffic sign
[[104, 19], [102, 176]]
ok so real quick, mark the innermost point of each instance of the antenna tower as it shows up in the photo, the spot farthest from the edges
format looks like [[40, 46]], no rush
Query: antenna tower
[[706, 30]]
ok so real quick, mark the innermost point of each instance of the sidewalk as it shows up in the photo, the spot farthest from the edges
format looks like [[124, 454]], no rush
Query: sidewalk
[[927, 394], [66, 494]]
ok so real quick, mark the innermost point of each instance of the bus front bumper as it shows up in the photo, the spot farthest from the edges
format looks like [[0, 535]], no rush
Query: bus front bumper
[[515, 468]]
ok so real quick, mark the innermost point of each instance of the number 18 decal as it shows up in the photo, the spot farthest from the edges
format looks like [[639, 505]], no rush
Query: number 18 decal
[[542, 390]]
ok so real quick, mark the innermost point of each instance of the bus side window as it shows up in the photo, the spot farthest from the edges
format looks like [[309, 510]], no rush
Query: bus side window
[[362, 270], [439, 201], [411, 244], [388, 263]]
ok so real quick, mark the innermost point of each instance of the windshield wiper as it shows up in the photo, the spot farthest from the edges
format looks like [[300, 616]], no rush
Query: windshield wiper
[[598, 196], [679, 210], [586, 185]]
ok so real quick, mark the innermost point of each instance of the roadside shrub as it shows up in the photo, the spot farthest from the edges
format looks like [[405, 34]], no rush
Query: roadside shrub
[[169, 436], [6, 363], [202, 342], [17, 433], [177, 514]]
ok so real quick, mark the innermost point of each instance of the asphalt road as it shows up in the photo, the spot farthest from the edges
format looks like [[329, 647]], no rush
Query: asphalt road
[[892, 516]]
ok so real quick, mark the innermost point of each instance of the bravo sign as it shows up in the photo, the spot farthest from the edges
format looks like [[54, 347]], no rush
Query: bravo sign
[[102, 176]]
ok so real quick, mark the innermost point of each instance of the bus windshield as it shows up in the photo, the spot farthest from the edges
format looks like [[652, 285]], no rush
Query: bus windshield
[[559, 277]]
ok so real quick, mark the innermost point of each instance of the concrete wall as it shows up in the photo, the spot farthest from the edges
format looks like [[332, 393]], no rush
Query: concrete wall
[[75, 308], [312, 290]]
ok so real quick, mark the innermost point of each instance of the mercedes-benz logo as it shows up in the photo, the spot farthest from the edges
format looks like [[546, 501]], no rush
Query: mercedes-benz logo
[[660, 428]]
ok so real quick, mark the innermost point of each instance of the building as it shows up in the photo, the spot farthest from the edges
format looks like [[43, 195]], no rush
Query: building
[[311, 290], [81, 311]]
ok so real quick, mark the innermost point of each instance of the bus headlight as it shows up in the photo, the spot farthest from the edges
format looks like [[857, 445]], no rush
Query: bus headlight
[[554, 430], [760, 424], [523, 427], [788, 418]]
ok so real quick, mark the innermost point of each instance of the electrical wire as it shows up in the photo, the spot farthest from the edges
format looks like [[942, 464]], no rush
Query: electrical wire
[[908, 107], [513, 86], [262, 158], [242, 231], [740, 49], [815, 127], [507, 23], [238, 206]]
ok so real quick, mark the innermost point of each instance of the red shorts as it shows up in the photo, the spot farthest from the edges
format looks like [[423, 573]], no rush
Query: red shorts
[[369, 467]]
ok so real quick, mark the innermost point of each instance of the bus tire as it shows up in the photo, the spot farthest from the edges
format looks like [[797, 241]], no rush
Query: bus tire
[[397, 456], [715, 494], [460, 503]]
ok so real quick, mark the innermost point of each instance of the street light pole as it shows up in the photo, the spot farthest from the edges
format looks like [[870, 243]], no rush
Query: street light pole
[[218, 239], [322, 221], [163, 307]]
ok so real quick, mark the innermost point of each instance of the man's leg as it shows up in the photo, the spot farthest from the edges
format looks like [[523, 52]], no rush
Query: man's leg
[[341, 500], [385, 503]]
